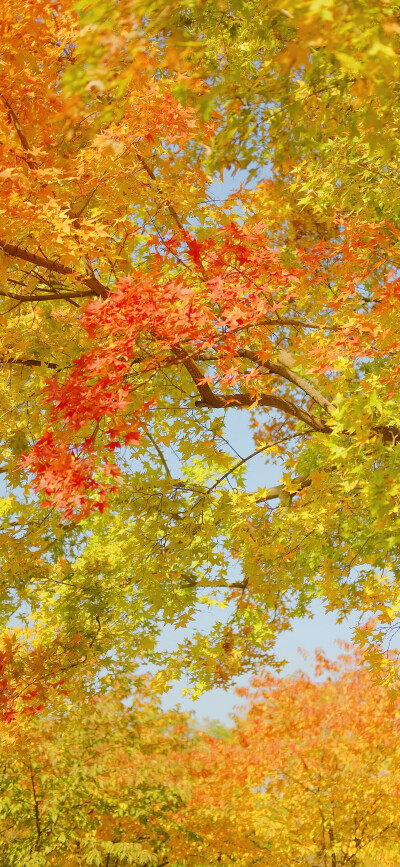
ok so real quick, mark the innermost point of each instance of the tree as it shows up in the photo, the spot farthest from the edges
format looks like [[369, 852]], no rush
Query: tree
[[139, 313], [97, 783], [309, 774]]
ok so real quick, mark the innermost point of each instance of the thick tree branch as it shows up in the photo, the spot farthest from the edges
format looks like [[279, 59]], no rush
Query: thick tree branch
[[48, 296], [90, 281], [280, 492], [217, 401], [29, 362], [272, 401], [284, 369], [208, 398], [286, 362]]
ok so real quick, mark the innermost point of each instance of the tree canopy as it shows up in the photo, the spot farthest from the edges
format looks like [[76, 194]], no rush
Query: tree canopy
[[139, 311], [308, 773]]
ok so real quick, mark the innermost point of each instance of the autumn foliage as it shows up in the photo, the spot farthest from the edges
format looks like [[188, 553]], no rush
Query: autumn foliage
[[199, 225], [307, 773]]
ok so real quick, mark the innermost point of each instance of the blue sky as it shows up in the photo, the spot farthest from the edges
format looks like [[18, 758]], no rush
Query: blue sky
[[307, 635]]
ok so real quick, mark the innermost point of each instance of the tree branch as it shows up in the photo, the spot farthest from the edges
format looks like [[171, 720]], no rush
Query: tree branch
[[48, 296], [160, 453], [18, 129], [29, 362], [35, 805], [280, 492], [208, 398], [273, 401], [151, 175], [90, 281], [284, 369], [248, 458], [294, 323]]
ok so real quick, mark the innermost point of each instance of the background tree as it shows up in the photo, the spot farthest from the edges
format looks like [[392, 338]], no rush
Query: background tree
[[309, 774], [98, 783]]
